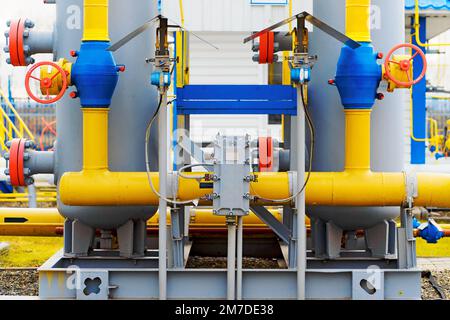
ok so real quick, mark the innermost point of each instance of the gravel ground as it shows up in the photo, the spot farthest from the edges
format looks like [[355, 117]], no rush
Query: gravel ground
[[25, 282], [19, 283], [221, 263]]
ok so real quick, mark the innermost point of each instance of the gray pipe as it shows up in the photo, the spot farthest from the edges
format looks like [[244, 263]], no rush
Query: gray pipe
[[300, 199], [40, 162], [163, 171], [240, 244], [231, 259], [39, 42]]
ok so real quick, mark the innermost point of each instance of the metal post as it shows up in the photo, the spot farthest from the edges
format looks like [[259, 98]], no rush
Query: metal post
[[231, 259], [162, 162], [240, 243], [32, 197], [300, 199]]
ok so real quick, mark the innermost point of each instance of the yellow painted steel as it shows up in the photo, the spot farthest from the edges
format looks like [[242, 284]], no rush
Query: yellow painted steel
[[357, 22], [398, 73], [417, 30], [182, 53], [95, 185], [95, 20], [357, 139], [9, 129], [95, 138], [102, 187], [57, 84], [45, 222]]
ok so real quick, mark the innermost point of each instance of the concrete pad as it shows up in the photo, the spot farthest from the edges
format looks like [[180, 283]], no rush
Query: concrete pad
[[434, 264]]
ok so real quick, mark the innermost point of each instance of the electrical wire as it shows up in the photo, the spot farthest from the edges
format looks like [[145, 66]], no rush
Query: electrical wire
[[311, 155], [189, 166], [147, 160]]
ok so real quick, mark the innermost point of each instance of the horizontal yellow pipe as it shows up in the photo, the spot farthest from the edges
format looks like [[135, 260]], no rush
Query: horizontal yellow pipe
[[357, 22], [349, 188], [95, 20], [102, 187], [44, 222]]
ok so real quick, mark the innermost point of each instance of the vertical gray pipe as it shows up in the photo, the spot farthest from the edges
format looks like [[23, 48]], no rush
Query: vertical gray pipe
[[240, 244], [300, 198], [32, 198], [163, 171], [231, 259]]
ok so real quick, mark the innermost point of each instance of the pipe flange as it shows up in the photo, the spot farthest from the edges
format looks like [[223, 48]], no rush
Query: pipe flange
[[19, 175], [19, 54]]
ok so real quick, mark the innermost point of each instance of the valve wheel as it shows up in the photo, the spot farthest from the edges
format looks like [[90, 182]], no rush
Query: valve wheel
[[405, 65], [46, 83]]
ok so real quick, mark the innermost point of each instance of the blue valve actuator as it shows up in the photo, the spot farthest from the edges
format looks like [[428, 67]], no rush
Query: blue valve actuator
[[160, 81], [301, 75]]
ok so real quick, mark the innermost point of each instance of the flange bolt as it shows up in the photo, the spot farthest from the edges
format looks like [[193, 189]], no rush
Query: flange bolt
[[380, 96]]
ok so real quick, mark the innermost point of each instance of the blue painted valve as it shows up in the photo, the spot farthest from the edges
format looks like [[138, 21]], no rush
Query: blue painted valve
[[159, 81], [430, 231]]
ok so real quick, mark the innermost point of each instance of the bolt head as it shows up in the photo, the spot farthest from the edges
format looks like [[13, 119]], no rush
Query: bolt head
[[6, 49], [29, 181], [8, 23], [8, 144], [7, 34], [6, 156], [26, 171], [7, 172], [26, 33], [30, 144]]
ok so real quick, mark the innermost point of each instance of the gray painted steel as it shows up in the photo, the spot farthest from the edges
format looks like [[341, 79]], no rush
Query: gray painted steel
[[133, 104], [142, 283]]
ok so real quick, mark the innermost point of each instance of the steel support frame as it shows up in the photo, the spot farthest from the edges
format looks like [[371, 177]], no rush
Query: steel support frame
[[127, 282]]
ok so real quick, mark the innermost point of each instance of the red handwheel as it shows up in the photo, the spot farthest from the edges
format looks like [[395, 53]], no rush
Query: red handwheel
[[405, 65], [46, 83]]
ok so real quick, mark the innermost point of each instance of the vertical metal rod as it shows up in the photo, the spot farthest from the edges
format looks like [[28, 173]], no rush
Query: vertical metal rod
[[231, 259], [300, 200], [240, 243], [162, 163], [32, 197]]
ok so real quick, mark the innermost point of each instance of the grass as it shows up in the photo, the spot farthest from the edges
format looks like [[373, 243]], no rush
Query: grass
[[34, 251], [29, 251], [440, 249]]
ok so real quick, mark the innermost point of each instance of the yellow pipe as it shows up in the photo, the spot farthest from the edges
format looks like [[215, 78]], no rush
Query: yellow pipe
[[45, 222], [357, 139], [417, 30], [95, 20], [95, 185], [357, 22], [181, 12], [95, 138]]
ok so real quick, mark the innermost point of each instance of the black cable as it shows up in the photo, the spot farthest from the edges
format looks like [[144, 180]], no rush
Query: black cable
[[313, 139]]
